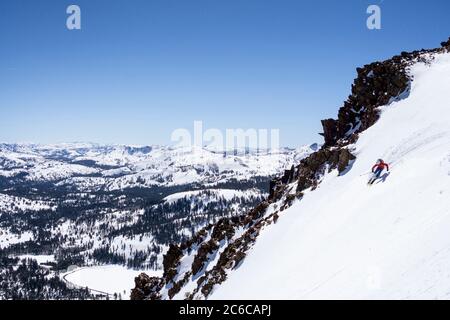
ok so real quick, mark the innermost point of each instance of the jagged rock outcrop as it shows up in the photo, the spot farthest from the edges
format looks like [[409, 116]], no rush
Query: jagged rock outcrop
[[446, 44], [171, 261], [330, 131], [147, 288], [376, 85], [200, 259], [345, 157]]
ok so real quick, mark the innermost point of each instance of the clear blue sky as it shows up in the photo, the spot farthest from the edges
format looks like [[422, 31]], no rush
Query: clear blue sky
[[140, 69]]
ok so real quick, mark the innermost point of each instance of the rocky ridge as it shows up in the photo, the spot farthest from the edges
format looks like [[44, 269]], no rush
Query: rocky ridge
[[193, 269]]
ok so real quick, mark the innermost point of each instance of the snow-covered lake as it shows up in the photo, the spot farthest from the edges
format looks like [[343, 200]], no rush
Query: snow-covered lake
[[110, 279]]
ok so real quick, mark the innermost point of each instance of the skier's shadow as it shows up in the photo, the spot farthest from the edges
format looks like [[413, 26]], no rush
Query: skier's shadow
[[384, 177]]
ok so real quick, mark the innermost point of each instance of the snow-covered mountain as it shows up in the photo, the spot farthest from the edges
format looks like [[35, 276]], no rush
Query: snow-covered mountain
[[11, 204], [108, 167], [324, 233]]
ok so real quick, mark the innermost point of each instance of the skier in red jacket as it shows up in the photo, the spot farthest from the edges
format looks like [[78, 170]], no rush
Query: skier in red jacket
[[377, 169]]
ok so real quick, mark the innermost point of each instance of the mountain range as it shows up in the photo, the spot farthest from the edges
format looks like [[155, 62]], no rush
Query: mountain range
[[79, 205]]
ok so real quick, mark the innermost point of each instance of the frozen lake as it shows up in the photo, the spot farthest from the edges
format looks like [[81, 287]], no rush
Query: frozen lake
[[110, 279]]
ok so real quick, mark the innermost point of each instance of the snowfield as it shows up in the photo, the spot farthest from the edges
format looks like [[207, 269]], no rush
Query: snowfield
[[346, 240], [11, 204], [41, 259], [7, 238]]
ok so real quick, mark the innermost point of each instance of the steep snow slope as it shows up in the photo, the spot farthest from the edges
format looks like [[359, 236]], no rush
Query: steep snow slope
[[347, 240]]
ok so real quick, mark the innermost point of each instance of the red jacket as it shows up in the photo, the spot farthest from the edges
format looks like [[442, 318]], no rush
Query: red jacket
[[381, 166]]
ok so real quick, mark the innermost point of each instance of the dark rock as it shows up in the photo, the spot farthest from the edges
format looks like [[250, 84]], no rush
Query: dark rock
[[290, 197], [202, 255], [272, 186], [223, 229], [171, 260], [147, 288], [329, 131], [288, 176], [238, 258], [275, 218], [344, 159], [178, 285]]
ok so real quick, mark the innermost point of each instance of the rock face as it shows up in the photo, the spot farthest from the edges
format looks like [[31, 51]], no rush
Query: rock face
[[330, 132], [344, 160], [446, 44], [171, 261], [376, 85], [147, 288]]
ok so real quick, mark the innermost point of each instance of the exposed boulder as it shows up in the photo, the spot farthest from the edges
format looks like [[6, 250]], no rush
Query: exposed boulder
[[147, 288], [344, 160], [446, 44], [223, 229], [330, 131], [170, 261], [288, 176], [203, 253], [196, 239]]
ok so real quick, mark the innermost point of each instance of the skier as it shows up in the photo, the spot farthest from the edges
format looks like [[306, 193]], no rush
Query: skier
[[377, 169]]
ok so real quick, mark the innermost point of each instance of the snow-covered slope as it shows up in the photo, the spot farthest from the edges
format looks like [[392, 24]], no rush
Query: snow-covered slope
[[347, 240], [11, 204], [226, 194]]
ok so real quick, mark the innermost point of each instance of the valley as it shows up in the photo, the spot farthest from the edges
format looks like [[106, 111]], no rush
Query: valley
[[89, 205]]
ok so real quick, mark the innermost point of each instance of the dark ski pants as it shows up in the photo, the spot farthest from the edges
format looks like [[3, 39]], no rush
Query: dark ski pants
[[378, 172]]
